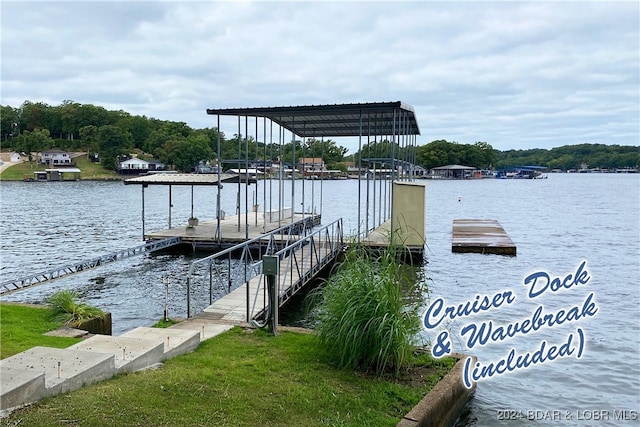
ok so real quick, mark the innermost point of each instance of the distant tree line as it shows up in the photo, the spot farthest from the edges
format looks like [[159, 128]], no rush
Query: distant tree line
[[574, 157], [71, 126], [35, 127], [482, 155]]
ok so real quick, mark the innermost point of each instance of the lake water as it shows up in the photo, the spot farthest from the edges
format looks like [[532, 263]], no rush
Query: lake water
[[556, 224]]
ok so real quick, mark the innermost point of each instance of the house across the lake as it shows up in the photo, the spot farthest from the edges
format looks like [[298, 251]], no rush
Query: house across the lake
[[312, 167], [55, 157], [17, 157], [135, 165]]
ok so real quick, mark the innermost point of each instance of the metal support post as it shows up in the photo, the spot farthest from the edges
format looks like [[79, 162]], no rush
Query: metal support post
[[165, 280], [271, 269]]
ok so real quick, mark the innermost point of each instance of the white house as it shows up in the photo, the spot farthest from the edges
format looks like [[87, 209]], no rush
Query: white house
[[55, 157], [134, 164]]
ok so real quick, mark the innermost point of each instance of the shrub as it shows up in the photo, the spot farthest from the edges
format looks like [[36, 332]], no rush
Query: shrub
[[66, 308], [165, 323], [366, 319]]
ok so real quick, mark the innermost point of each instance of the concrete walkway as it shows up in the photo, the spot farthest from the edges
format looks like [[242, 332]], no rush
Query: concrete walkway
[[7, 164], [44, 371]]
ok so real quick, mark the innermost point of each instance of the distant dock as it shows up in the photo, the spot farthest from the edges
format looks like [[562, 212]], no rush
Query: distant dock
[[485, 236]]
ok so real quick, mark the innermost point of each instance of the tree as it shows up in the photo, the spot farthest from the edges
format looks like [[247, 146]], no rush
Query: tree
[[194, 149], [330, 152], [39, 140], [155, 141], [573, 157], [89, 137], [437, 153], [239, 148], [212, 136], [140, 127], [170, 150], [32, 116], [288, 152], [8, 122], [485, 155], [176, 128], [69, 116], [89, 114], [112, 142]]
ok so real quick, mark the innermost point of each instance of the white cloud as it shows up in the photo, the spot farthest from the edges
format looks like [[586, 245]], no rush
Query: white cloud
[[517, 75]]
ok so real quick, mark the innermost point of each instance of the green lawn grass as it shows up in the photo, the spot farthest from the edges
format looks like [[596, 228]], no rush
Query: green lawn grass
[[92, 170], [22, 327], [18, 171], [88, 170], [240, 378]]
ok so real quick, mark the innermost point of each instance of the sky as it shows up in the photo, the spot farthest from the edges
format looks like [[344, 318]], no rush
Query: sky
[[518, 75]]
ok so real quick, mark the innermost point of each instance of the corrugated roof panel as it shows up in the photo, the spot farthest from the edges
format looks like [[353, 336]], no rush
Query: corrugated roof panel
[[336, 120]]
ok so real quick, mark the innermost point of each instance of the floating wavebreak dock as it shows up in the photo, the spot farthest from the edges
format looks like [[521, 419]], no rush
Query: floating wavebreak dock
[[485, 236]]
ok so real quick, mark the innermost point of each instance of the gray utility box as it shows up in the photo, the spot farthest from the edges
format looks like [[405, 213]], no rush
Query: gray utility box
[[270, 265]]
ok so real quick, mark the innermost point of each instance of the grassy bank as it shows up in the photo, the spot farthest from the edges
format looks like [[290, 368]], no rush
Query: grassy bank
[[88, 170], [92, 170], [240, 378], [23, 327]]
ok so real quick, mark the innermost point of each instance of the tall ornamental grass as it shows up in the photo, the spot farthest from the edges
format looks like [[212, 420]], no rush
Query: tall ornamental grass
[[368, 317]]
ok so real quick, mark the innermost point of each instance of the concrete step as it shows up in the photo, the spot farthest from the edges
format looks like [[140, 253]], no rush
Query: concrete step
[[64, 370], [43, 371], [208, 329], [130, 354], [20, 386], [176, 341]]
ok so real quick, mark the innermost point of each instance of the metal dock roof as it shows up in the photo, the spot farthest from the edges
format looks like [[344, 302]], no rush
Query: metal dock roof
[[374, 118]]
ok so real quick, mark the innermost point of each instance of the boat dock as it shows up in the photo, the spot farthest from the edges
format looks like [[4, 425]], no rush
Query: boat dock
[[485, 236], [390, 210]]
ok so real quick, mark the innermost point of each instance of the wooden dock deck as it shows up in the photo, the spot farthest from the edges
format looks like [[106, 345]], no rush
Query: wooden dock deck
[[379, 238], [205, 236], [484, 236]]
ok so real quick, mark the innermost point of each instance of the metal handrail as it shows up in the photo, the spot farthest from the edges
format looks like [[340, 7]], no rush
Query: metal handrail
[[225, 273], [227, 268], [293, 257]]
